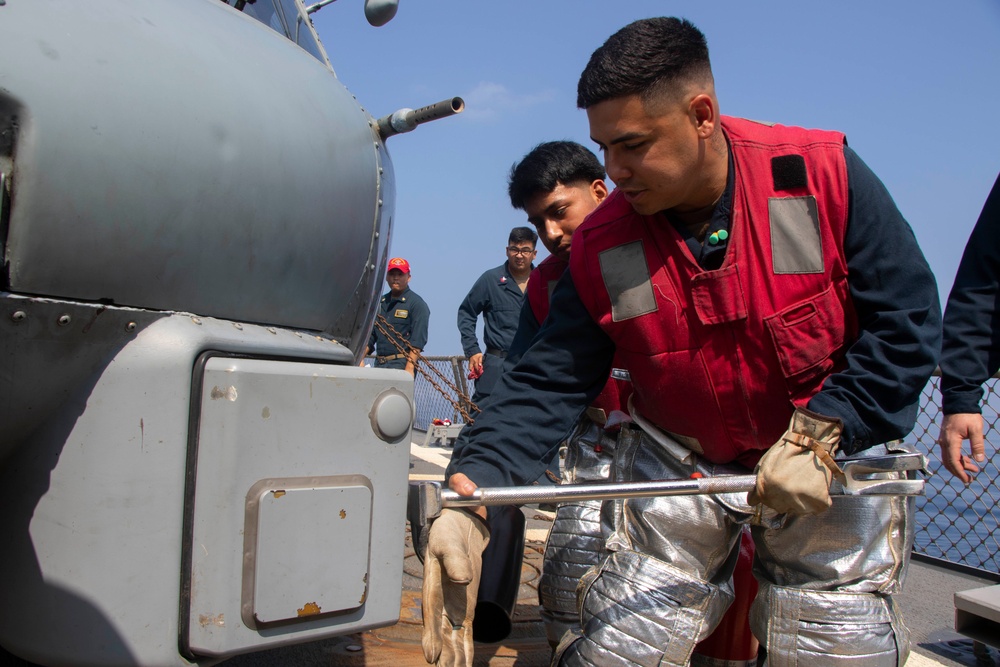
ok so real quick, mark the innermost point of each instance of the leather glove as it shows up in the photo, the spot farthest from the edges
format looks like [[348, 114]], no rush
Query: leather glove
[[452, 568], [794, 475]]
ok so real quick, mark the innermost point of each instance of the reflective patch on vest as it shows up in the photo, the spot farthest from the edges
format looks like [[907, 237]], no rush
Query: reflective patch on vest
[[401, 313], [621, 374], [796, 244], [626, 277]]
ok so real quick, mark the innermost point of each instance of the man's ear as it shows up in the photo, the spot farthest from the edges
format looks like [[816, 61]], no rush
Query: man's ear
[[598, 190], [704, 112]]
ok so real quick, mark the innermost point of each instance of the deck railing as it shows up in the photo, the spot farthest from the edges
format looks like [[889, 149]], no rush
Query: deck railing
[[956, 525]]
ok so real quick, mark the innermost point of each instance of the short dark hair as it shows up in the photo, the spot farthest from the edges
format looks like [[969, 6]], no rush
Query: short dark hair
[[547, 165], [644, 58], [521, 234]]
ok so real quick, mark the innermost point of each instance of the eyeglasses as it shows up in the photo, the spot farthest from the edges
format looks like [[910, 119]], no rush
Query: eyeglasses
[[511, 250]]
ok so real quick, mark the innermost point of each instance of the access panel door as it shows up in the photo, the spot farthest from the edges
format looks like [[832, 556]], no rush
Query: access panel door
[[296, 502]]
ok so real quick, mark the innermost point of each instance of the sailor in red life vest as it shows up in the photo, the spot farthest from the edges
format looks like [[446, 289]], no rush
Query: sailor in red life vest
[[557, 184], [775, 312]]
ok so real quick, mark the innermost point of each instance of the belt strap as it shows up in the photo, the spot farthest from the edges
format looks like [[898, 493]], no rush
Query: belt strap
[[382, 360], [497, 353]]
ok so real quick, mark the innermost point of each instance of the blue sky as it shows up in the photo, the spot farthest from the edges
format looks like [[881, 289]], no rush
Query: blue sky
[[914, 84]]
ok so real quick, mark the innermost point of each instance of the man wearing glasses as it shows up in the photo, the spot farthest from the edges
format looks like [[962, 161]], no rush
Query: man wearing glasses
[[498, 295]]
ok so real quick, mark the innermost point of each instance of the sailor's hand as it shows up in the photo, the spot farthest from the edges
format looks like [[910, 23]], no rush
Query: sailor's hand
[[794, 475], [452, 569], [464, 486], [955, 429], [476, 364]]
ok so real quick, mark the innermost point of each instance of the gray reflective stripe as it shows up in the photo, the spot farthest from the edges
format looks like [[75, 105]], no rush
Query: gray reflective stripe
[[796, 245], [626, 277], [621, 374]]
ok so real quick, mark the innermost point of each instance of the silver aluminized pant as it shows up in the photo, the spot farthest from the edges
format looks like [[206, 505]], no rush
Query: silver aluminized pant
[[825, 580], [575, 543]]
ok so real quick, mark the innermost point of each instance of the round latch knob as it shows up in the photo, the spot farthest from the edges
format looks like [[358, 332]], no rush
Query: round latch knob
[[391, 415]]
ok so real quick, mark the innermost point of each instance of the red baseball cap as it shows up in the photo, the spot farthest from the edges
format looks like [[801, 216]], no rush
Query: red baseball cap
[[399, 263]]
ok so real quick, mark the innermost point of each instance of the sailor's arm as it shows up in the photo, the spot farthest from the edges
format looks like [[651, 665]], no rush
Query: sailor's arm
[[468, 314], [970, 352], [421, 314], [537, 402], [899, 320]]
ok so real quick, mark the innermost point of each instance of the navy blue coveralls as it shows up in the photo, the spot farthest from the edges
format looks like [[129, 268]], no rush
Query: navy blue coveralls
[[409, 315], [497, 296], [971, 350]]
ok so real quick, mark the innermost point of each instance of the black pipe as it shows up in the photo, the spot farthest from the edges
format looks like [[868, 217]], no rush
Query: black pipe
[[501, 576]]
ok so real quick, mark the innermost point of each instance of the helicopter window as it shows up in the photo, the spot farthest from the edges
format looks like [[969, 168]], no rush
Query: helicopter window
[[299, 31], [267, 13], [284, 18], [306, 39]]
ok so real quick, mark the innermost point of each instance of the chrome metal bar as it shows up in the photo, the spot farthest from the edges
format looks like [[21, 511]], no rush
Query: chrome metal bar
[[521, 495]]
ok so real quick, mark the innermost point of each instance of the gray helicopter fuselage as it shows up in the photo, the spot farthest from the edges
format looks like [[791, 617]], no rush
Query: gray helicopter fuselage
[[194, 219]]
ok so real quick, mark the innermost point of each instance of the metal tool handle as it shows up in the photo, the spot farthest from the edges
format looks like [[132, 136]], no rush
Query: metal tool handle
[[863, 477], [520, 495]]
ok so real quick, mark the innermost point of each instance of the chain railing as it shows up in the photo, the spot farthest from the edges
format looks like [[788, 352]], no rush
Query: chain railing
[[955, 524], [453, 392], [432, 403]]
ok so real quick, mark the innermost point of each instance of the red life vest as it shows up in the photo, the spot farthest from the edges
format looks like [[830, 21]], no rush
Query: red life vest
[[721, 358], [541, 283], [543, 279]]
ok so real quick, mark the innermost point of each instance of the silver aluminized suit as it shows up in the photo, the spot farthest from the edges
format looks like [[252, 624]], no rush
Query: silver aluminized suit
[[826, 581], [575, 542]]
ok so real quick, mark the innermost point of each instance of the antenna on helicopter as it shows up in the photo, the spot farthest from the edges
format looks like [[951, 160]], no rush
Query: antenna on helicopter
[[318, 6], [378, 12]]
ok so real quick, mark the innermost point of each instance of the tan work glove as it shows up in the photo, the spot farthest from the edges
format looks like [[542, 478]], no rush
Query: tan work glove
[[794, 475], [452, 568]]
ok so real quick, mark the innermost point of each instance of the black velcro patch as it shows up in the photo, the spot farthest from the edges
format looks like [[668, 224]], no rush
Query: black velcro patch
[[789, 172]]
